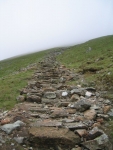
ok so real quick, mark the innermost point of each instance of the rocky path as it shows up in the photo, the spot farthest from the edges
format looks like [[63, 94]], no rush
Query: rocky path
[[52, 115]]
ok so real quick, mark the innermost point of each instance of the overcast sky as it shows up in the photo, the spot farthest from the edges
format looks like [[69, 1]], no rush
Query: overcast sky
[[33, 25]]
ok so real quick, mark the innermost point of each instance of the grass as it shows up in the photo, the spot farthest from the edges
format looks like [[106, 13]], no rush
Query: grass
[[9, 66], [12, 79], [96, 65]]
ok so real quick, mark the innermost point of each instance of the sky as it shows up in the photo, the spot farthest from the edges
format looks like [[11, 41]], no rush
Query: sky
[[32, 25]]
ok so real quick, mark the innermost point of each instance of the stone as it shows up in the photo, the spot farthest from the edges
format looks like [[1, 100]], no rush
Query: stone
[[94, 133], [81, 132], [71, 111], [82, 105], [53, 136], [21, 98], [107, 102], [64, 94], [5, 121], [75, 125], [19, 139], [47, 123], [97, 124], [102, 142], [90, 114], [110, 113], [79, 91], [106, 117], [59, 113], [88, 94], [2, 139], [77, 148], [63, 104], [8, 128], [49, 101], [90, 89], [33, 98], [50, 95], [96, 107], [67, 120], [106, 109], [74, 98]]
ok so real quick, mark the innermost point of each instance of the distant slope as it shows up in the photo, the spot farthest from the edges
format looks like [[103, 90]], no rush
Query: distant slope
[[15, 64], [94, 60]]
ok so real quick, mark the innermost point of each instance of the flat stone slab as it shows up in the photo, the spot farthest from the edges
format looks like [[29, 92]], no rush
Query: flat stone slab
[[52, 136], [50, 95], [75, 125], [47, 123]]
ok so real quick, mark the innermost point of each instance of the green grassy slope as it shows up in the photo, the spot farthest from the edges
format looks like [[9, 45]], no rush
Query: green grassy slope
[[12, 78], [96, 64]]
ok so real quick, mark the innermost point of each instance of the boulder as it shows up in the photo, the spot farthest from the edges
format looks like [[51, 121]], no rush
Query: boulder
[[102, 142], [53, 136]]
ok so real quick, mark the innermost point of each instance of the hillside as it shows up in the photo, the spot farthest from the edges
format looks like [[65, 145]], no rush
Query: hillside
[[57, 104], [14, 74], [93, 60]]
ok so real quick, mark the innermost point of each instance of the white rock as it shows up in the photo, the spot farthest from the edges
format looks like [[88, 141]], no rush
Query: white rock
[[64, 93], [79, 86], [88, 94]]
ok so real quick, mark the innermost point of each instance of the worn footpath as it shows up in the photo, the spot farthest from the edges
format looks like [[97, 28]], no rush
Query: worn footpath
[[52, 115]]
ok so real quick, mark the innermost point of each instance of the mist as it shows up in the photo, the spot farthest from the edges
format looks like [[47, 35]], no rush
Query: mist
[[32, 25]]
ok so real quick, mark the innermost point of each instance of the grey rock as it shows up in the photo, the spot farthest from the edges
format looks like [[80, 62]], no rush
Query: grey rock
[[101, 142], [8, 128], [106, 117], [94, 133], [80, 91], [75, 125], [82, 105], [92, 89], [50, 95], [19, 139], [20, 98], [110, 113], [49, 101], [95, 107], [1, 139], [107, 102], [50, 123]]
